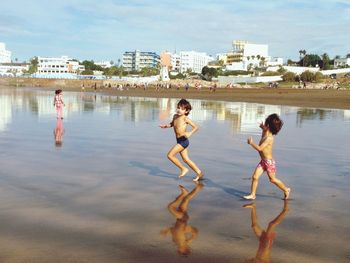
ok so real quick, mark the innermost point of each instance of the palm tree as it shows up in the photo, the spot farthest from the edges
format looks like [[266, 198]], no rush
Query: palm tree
[[302, 52], [262, 61], [325, 61], [250, 67]]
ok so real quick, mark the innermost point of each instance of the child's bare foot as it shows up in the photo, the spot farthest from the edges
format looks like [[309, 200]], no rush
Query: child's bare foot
[[251, 205], [198, 177], [286, 194], [249, 197], [183, 173]]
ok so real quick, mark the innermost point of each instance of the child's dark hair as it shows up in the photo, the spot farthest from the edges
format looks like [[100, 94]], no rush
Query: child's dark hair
[[186, 105], [58, 91], [274, 123]]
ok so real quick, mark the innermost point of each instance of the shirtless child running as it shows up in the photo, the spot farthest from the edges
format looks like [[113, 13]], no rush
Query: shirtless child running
[[180, 122], [272, 126]]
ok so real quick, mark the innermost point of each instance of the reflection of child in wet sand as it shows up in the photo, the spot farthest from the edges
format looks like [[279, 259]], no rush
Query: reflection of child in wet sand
[[272, 126], [58, 133], [267, 236], [58, 102], [180, 122], [182, 233]]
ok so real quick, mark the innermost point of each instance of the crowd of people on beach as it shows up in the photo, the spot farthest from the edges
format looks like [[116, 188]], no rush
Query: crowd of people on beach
[[157, 86]]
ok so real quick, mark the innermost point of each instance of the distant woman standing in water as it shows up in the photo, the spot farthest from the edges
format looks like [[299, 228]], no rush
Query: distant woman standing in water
[[58, 102]]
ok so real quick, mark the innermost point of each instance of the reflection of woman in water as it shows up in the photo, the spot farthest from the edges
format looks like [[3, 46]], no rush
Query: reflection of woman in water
[[267, 236], [58, 132], [182, 233]]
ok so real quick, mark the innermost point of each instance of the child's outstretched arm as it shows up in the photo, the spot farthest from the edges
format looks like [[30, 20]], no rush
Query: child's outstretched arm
[[171, 124], [194, 127], [261, 147], [164, 126]]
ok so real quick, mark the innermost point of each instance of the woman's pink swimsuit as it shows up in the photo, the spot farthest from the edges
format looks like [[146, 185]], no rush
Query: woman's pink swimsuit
[[268, 165], [58, 103]]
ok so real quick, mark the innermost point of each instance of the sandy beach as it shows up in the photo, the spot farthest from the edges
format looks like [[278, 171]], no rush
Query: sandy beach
[[336, 99]]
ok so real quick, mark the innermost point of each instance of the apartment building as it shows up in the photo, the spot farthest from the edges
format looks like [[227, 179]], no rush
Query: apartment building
[[137, 60], [193, 61], [62, 65], [5, 55]]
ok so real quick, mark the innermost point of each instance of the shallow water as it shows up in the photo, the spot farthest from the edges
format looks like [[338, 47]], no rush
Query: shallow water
[[107, 193]]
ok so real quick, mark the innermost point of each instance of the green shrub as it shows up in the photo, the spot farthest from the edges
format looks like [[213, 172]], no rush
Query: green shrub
[[289, 76], [318, 76], [178, 76], [307, 76], [271, 73]]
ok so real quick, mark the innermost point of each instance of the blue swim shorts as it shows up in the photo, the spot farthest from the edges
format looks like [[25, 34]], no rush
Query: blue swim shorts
[[183, 141]]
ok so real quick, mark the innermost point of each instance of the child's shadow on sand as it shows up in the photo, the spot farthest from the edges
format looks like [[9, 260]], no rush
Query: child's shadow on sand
[[229, 190], [153, 170]]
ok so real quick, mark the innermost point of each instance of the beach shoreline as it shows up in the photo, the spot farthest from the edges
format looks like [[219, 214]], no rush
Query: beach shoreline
[[335, 99]]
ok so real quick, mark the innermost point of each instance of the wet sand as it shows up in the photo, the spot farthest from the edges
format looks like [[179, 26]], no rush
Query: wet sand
[[336, 99], [104, 194]]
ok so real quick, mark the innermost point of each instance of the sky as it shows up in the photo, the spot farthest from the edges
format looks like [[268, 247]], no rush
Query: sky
[[105, 29]]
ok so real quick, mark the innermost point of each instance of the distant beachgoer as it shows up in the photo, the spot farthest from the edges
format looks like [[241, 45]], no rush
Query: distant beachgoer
[[187, 87], [182, 233], [272, 126], [304, 84], [58, 102], [58, 133], [178, 86], [180, 122], [267, 236]]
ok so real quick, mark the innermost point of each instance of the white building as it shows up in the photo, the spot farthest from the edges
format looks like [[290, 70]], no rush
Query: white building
[[137, 60], [57, 66], [175, 62], [194, 61], [274, 62], [246, 56], [222, 57], [104, 64], [341, 62], [13, 69], [5, 55]]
